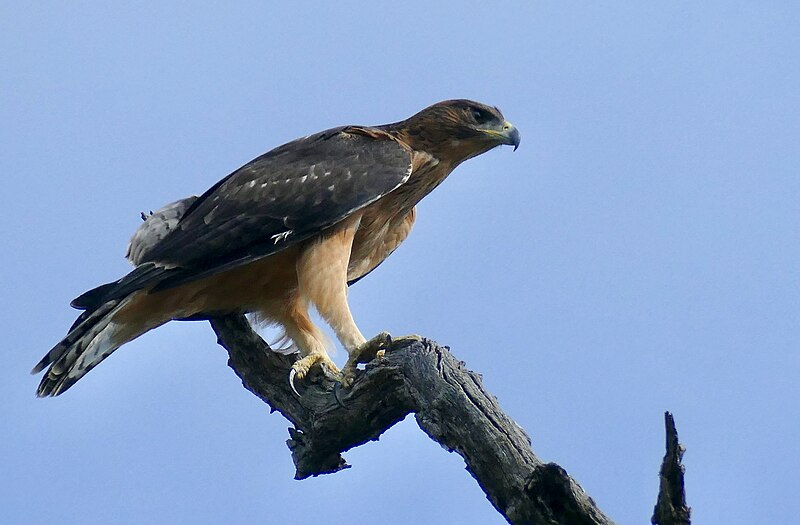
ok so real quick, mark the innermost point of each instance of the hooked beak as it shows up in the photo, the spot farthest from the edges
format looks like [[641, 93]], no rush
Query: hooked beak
[[511, 135], [508, 135]]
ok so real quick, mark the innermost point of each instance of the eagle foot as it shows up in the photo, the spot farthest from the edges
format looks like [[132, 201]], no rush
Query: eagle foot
[[370, 350], [301, 367]]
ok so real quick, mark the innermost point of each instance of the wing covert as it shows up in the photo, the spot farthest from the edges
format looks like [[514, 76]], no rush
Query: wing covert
[[281, 198], [155, 227]]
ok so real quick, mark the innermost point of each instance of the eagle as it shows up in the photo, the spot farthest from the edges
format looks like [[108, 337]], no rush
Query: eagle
[[289, 230]]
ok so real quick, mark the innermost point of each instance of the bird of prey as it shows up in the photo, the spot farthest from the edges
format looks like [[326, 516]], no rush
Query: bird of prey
[[289, 230]]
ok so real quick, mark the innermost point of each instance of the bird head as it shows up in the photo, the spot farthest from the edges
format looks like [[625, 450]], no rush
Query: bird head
[[459, 129]]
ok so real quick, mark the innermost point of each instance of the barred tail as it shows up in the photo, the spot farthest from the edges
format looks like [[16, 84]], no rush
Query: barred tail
[[92, 338]]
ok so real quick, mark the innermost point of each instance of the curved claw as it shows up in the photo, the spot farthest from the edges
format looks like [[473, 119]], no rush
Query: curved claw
[[292, 374]]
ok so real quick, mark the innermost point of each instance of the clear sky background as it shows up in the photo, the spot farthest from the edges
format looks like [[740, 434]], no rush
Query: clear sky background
[[638, 253]]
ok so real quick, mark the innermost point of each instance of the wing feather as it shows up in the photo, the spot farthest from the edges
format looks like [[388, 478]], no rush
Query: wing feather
[[279, 199]]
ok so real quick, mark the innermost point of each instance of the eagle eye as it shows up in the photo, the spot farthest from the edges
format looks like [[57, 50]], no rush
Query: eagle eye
[[481, 116]]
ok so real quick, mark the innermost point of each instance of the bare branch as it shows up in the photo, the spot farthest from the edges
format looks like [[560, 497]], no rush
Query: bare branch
[[450, 405], [671, 508]]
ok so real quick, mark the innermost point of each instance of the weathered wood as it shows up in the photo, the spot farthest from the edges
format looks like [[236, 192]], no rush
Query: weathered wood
[[671, 508], [450, 405]]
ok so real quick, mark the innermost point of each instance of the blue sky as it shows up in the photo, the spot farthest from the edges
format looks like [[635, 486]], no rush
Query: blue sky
[[638, 253]]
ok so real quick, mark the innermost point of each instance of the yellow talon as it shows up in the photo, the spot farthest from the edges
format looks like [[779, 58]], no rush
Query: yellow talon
[[301, 367]]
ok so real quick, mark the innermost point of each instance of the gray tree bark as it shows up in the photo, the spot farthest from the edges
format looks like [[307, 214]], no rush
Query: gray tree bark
[[449, 403], [671, 508]]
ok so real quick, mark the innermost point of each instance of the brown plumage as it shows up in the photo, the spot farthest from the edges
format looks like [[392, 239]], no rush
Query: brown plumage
[[286, 231]]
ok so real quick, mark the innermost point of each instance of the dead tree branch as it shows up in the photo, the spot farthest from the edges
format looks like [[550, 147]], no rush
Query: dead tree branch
[[449, 403], [671, 508]]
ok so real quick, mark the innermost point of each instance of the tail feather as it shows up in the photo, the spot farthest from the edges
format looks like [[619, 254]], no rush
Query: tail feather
[[144, 275], [84, 347], [94, 335], [82, 325]]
